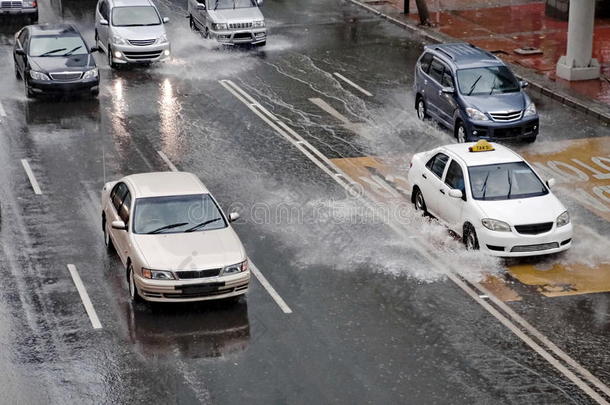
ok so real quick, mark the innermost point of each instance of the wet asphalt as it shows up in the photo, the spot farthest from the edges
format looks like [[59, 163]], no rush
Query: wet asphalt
[[371, 322]]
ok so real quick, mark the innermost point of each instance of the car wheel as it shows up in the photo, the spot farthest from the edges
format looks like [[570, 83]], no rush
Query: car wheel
[[17, 74], [419, 202], [470, 238], [110, 61], [192, 23], [28, 91], [133, 291], [107, 240], [206, 33], [421, 109], [460, 132]]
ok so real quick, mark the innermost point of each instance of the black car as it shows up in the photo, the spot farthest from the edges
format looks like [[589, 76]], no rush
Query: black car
[[54, 59]]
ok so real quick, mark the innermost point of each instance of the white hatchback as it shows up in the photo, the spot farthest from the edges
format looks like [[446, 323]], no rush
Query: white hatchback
[[492, 198], [174, 240]]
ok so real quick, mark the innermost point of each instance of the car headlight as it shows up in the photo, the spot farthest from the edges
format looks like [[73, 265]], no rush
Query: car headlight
[[258, 24], [475, 114], [530, 110], [91, 74], [220, 26], [495, 225], [236, 268], [563, 219], [29, 4], [38, 75], [162, 39], [117, 40], [158, 274]]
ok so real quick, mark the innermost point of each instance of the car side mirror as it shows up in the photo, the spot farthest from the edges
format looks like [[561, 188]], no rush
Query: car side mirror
[[20, 51], [165, 20], [447, 90], [94, 49], [234, 216], [103, 21], [201, 6], [120, 225], [455, 193], [259, 2], [523, 84], [550, 183]]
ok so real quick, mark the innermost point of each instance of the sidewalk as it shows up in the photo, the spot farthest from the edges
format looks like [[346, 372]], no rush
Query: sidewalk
[[501, 26]]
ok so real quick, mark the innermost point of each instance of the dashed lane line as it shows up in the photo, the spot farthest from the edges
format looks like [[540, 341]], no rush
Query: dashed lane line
[[255, 271], [82, 291], [326, 107], [2, 112], [30, 173], [354, 85]]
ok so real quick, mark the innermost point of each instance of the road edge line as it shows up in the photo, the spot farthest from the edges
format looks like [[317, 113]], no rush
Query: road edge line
[[82, 291], [267, 286], [31, 177]]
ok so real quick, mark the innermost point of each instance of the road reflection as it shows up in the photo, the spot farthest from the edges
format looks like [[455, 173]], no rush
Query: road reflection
[[66, 113], [191, 330]]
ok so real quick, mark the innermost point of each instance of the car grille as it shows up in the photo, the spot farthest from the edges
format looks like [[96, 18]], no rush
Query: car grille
[[240, 25], [534, 229], [505, 116], [142, 55], [535, 248], [141, 42], [190, 274], [10, 4], [66, 76]]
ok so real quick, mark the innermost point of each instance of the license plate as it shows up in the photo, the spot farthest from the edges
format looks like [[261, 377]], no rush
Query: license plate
[[202, 288]]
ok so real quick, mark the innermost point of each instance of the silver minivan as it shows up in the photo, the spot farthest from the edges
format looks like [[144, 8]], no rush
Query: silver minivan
[[230, 22], [131, 31]]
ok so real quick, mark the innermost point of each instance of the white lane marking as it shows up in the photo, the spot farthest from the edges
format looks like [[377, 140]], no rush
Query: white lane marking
[[167, 161], [2, 112], [346, 182], [326, 107], [276, 297], [82, 291], [354, 85], [30, 173]]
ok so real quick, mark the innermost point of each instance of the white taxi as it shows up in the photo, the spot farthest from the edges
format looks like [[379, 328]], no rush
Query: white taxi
[[174, 240], [492, 198]]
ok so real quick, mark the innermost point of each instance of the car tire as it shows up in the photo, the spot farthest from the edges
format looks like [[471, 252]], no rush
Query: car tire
[[192, 24], [420, 107], [460, 132], [17, 74], [470, 238], [419, 202], [111, 63], [206, 33], [107, 239], [134, 296], [28, 92]]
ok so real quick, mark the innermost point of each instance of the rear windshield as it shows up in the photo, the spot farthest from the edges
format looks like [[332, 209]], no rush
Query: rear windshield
[[135, 16], [487, 80], [57, 45], [505, 181]]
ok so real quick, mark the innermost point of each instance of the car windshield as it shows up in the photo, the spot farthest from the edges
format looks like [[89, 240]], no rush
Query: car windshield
[[135, 16], [176, 214], [487, 80], [57, 45], [505, 181], [228, 4]]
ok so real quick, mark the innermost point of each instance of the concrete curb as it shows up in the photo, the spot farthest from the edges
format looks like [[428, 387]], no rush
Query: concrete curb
[[542, 85]]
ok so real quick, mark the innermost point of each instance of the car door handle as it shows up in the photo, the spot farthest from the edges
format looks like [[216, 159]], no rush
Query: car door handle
[[424, 176], [442, 191]]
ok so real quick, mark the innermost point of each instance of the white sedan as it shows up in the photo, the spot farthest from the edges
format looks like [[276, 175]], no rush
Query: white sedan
[[492, 198], [174, 240]]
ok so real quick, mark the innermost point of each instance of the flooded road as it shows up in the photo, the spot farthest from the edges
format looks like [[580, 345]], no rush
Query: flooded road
[[376, 303]]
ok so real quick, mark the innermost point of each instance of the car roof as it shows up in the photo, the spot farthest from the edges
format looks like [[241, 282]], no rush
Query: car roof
[[462, 55], [500, 154], [124, 3], [159, 184], [52, 29]]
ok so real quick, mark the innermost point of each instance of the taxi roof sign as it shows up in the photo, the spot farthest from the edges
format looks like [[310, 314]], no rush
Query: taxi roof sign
[[481, 146]]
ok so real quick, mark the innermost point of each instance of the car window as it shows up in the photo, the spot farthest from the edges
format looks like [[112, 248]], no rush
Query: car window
[[104, 10], [424, 62], [232, 4], [437, 164], [447, 80], [436, 70], [57, 45], [487, 80], [135, 16], [125, 209], [22, 38], [455, 176], [117, 195], [505, 181]]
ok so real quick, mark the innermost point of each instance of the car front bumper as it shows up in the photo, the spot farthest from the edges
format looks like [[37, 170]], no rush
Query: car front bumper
[[236, 37], [525, 128], [52, 87], [513, 244], [125, 54], [211, 288]]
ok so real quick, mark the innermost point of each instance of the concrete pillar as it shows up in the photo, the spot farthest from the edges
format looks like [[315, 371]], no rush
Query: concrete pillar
[[577, 64]]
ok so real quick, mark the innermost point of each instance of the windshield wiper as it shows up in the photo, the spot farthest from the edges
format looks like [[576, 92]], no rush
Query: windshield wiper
[[202, 224], [216, 5], [474, 84], [510, 184], [493, 86], [484, 188], [52, 51], [73, 50], [170, 226]]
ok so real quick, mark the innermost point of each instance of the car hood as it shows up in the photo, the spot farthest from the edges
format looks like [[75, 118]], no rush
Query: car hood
[[498, 102], [62, 64], [522, 211], [139, 33], [236, 15], [193, 250]]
